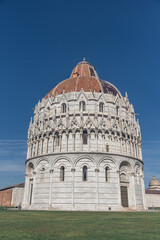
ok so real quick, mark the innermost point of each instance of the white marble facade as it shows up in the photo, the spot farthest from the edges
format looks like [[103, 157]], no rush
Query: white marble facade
[[83, 148], [17, 196]]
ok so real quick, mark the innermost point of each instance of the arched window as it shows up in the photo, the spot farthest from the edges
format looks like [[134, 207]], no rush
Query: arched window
[[30, 168], [62, 173], [84, 177], [106, 173], [85, 137], [101, 107], [63, 108], [56, 139], [82, 106]]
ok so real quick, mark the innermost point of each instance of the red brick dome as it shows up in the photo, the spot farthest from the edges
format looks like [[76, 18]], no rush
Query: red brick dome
[[84, 76]]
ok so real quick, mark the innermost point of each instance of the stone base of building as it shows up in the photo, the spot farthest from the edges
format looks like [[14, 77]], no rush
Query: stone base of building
[[111, 181], [88, 208]]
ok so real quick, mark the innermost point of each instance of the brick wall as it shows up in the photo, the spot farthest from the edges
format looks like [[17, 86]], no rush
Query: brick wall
[[5, 197]]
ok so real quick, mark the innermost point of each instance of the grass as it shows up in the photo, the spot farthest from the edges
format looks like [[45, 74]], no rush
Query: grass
[[45, 225]]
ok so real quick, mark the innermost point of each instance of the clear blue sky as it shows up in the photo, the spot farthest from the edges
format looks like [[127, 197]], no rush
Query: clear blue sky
[[41, 42]]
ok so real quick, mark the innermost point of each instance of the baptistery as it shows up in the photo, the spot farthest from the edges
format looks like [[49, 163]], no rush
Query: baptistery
[[84, 148]]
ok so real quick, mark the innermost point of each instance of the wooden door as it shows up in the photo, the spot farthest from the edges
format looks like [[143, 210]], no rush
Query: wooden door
[[124, 196]]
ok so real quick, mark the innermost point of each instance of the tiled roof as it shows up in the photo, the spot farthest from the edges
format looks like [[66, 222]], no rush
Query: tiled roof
[[19, 185], [149, 191], [83, 76]]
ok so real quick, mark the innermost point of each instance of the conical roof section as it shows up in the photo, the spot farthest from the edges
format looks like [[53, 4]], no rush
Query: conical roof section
[[84, 69], [84, 76]]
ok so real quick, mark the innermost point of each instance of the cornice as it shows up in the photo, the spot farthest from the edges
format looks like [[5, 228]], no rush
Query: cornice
[[84, 153]]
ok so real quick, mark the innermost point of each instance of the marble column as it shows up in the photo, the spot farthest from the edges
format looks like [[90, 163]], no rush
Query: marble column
[[133, 190], [50, 188], [60, 142], [33, 190], [103, 137], [37, 147], [67, 142], [143, 192], [121, 150], [31, 150], [127, 147], [119, 188], [73, 137], [28, 151], [97, 187], [81, 136], [89, 141], [52, 143], [134, 150], [96, 141], [116, 144], [73, 173], [26, 192], [47, 139], [42, 145]]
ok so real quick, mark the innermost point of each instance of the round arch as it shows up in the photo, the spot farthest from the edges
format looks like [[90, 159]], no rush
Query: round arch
[[107, 158], [125, 163], [61, 158], [84, 157], [42, 159]]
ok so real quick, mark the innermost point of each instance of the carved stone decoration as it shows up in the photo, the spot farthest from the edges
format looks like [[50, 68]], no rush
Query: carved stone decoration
[[115, 126], [60, 124], [74, 123], [125, 127], [88, 124], [103, 124]]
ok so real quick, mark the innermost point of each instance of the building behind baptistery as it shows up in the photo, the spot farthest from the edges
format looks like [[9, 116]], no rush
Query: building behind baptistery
[[84, 148]]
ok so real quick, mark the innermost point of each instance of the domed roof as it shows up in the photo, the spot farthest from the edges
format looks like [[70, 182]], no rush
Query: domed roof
[[154, 182], [84, 76]]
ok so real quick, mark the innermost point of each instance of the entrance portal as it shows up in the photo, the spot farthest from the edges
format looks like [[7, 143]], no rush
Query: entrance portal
[[124, 196]]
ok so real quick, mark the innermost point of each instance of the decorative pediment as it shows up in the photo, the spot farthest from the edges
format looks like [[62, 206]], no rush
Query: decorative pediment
[[115, 126], [102, 98], [74, 123], [53, 123], [48, 105], [63, 98], [103, 124], [125, 127], [60, 124], [117, 101], [88, 123], [82, 96], [37, 128], [30, 133]]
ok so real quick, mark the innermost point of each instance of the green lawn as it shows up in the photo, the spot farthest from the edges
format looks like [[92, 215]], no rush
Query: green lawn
[[21, 225]]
